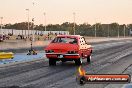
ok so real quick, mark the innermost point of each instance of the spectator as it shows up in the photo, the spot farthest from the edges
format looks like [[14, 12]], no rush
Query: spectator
[[30, 38], [38, 38], [55, 34], [48, 36]]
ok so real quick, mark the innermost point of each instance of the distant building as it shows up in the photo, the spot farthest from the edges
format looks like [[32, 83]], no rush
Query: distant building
[[23, 32]]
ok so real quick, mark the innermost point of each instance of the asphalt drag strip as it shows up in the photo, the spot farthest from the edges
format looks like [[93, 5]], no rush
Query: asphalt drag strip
[[111, 59], [107, 65]]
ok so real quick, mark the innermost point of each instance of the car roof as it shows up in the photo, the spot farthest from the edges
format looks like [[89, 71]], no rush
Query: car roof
[[76, 36]]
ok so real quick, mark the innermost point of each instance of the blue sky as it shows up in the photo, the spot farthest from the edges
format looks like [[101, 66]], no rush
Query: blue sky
[[59, 11]]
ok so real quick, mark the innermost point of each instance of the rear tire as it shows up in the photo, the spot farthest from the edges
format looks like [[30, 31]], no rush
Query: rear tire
[[89, 59], [52, 62], [63, 61], [78, 62]]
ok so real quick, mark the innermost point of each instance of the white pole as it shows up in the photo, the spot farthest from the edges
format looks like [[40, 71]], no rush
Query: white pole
[[74, 22], [45, 21], [28, 21], [108, 31], [95, 30], [124, 30], [118, 31], [1, 24]]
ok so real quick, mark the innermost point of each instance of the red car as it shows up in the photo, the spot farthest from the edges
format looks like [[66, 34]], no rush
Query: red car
[[68, 48]]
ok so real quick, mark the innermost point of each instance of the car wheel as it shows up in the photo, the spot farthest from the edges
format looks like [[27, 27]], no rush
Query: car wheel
[[78, 62], [63, 61], [89, 59], [28, 54], [52, 62]]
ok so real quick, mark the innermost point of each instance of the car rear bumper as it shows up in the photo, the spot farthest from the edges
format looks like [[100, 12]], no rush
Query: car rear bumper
[[62, 56]]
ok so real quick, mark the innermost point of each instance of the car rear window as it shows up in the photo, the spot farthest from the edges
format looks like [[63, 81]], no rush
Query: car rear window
[[65, 40]]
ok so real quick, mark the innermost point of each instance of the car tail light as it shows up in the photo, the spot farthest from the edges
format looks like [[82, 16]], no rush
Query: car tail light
[[49, 51], [69, 52]]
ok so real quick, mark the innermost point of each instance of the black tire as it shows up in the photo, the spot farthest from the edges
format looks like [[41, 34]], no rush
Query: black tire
[[89, 59], [78, 62], [29, 54], [91, 51], [34, 53], [52, 62]]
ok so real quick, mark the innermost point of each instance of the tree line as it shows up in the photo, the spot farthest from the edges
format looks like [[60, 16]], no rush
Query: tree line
[[98, 29]]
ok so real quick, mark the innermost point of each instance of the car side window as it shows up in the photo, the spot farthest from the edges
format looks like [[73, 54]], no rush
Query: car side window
[[65, 40], [83, 41]]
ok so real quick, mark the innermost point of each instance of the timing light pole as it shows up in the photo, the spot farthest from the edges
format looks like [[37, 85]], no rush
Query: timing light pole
[[33, 29], [32, 51]]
